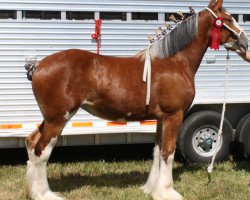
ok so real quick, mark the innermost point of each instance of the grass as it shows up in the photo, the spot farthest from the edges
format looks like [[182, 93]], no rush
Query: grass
[[120, 180]]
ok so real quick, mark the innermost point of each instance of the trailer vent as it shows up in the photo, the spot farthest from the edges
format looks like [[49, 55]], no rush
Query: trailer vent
[[7, 14], [44, 15], [76, 15], [236, 17], [246, 18], [113, 16], [144, 16]]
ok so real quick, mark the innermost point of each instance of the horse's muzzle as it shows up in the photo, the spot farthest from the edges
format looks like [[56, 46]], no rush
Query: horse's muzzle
[[243, 42]]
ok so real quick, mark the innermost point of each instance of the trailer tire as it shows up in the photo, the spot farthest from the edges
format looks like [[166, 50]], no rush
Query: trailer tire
[[239, 126], [197, 139], [242, 137], [239, 149]]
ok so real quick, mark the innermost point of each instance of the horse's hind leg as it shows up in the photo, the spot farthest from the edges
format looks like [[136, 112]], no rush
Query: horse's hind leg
[[39, 146], [153, 176], [164, 188]]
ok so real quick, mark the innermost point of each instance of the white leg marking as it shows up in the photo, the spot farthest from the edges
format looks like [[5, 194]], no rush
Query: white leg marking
[[36, 177], [68, 115], [154, 173], [164, 188], [86, 102]]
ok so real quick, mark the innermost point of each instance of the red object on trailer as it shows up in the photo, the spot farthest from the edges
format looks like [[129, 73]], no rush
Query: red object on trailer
[[97, 35]]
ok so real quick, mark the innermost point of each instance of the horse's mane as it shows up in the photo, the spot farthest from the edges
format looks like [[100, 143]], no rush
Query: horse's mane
[[174, 41]]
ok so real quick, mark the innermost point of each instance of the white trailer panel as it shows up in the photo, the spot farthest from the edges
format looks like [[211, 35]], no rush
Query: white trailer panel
[[234, 6]]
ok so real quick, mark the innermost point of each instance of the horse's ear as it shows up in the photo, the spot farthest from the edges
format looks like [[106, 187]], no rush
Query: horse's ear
[[218, 5], [212, 3]]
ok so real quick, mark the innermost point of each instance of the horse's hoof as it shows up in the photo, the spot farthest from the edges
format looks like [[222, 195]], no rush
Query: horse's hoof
[[166, 194], [51, 196], [47, 196], [145, 188]]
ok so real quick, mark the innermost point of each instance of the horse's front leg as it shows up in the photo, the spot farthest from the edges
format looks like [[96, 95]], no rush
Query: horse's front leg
[[164, 187], [154, 173]]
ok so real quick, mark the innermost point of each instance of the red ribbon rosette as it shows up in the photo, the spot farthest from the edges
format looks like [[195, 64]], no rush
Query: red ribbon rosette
[[216, 33]]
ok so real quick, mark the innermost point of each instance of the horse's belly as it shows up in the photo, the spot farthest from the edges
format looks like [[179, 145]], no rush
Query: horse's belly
[[111, 112], [90, 108]]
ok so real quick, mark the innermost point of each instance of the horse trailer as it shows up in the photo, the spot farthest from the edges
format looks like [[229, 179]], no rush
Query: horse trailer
[[35, 29]]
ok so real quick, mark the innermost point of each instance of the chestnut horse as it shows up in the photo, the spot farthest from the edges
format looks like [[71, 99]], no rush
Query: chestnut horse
[[112, 88]]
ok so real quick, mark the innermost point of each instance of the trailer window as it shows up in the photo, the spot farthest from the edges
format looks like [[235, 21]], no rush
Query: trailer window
[[51, 15], [7, 14], [246, 18], [113, 16], [72, 15], [47, 15], [236, 17], [144, 16]]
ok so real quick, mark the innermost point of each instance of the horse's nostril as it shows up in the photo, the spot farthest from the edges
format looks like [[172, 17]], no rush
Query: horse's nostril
[[245, 47], [243, 42]]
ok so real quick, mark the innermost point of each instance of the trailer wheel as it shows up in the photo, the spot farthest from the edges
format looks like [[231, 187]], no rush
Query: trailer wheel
[[240, 125], [198, 137], [239, 149], [242, 137]]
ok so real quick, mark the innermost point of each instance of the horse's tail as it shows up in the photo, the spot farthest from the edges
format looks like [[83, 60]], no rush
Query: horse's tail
[[30, 66]]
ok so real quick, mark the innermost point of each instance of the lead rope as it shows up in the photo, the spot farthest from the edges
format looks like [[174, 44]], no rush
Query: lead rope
[[210, 167]]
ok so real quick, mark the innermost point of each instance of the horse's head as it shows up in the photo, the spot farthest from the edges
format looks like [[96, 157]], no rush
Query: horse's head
[[232, 36]]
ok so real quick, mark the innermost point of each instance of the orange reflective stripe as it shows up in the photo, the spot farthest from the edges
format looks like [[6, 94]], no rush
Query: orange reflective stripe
[[10, 126], [116, 123], [152, 122], [82, 124]]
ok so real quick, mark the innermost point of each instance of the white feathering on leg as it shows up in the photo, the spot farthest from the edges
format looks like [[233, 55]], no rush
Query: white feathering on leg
[[36, 177], [153, 176], [164, 188]]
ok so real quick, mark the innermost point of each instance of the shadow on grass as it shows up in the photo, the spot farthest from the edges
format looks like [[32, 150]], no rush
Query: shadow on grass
[[183, 168], [243, 165], [71, 182], [108, 153]]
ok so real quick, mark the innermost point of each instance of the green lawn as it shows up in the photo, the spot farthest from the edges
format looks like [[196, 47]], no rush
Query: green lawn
[[120, 180]]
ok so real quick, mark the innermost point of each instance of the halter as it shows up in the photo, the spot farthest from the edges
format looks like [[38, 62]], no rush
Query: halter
[[226, 26]]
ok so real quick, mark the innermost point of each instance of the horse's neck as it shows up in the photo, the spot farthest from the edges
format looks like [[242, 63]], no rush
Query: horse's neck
[[195, 52]]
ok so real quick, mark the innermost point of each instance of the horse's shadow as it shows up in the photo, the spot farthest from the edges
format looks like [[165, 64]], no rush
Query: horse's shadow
[[243, 165], [72, 181]]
